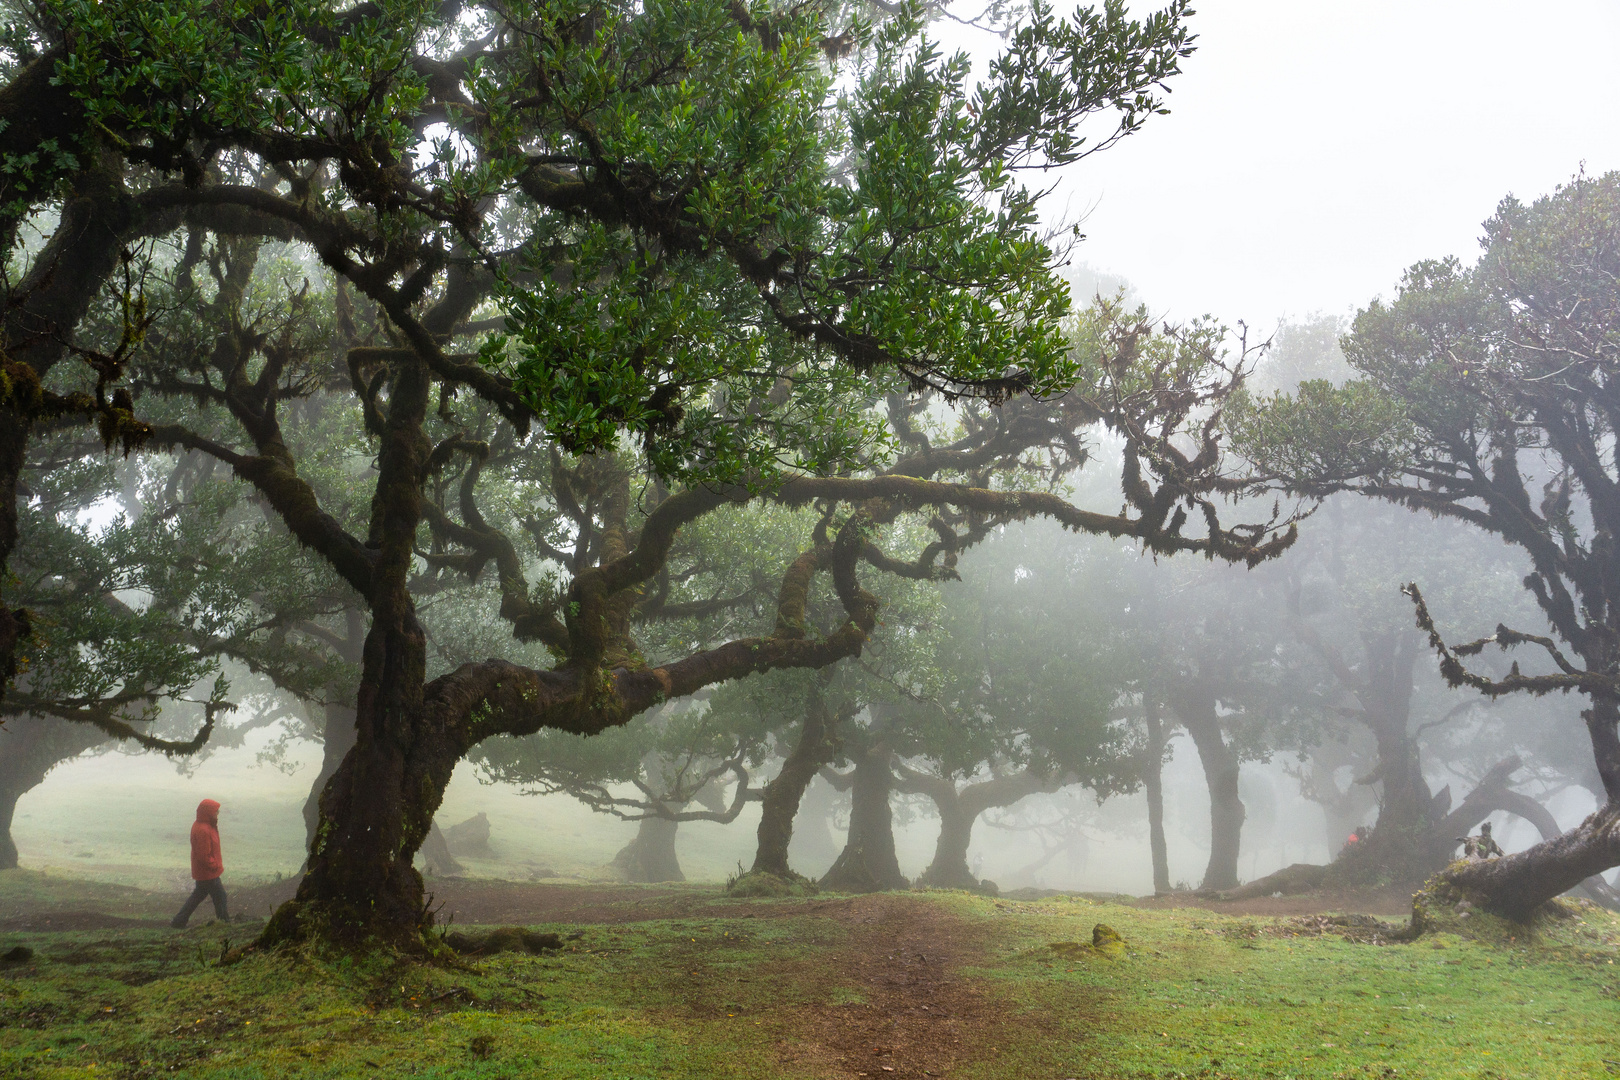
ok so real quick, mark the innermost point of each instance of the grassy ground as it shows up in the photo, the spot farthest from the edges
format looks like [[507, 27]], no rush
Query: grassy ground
[[1207, 995], [901, 985]]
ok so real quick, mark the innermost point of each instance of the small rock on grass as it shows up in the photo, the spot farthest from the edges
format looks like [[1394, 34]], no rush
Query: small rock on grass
[[1105, 941]]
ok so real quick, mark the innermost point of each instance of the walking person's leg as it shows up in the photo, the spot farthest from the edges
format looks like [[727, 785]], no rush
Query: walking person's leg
[[190, 905], [216, 892]]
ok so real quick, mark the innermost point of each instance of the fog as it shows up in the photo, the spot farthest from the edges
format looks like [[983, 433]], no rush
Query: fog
[[1314, 151], [1311, 153]]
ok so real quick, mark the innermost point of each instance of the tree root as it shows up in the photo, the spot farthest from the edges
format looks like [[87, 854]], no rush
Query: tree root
[[1290, 880], [1442, 905]]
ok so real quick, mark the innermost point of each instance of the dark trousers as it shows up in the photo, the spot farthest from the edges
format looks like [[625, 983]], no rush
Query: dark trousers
[[211, 889]]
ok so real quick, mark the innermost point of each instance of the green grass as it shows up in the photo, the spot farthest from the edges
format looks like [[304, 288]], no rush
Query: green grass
[[616, 1005], [1194, 995], [1204, 995]]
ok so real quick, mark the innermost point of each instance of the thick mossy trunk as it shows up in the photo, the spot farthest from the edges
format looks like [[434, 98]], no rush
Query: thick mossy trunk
[[338, 735], [1398, 845], [780, 804], [650, 857], [1398, 850], [379, 805], [868, 862], [1226, 811], [1515, 886], [1527, 808], [1153, 780]]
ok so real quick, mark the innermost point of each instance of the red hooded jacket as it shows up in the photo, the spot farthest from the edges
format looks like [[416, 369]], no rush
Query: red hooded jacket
[[207, 862]]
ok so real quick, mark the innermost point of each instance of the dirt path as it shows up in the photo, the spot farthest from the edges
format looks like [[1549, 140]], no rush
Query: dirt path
[[895, 957], [917, 1016]]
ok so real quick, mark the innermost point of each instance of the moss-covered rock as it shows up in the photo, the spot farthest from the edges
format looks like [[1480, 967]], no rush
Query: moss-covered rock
[[504, 939], [760, 883], [1106, 943]]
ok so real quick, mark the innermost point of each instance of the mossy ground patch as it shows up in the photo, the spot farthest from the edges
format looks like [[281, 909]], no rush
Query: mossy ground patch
[[691, 984]]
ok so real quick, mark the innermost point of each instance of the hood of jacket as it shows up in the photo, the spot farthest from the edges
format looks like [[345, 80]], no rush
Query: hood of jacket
[[208, 812]]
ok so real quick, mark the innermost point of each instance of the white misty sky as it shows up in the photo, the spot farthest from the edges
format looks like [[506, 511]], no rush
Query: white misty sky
[[1314, 150]]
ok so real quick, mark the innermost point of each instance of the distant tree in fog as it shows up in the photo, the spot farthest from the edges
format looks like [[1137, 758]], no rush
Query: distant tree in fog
[[1488, 395], [1027, 694], [1370, 670]]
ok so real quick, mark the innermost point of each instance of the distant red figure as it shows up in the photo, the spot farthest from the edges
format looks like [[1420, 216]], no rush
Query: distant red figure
[[207, 864], [1355, 838]]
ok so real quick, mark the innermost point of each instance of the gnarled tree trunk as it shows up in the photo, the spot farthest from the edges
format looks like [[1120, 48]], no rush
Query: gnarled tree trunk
[[1196, 708], [780, 804], [1405, 805], [868, 862], [379, 805], [650, 857], [958, 810], [1515, 886], [949, 869], [1382, 693], [338, 735], [1494, 794]]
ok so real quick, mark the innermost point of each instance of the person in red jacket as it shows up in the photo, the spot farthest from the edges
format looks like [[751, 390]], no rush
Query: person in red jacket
[[207, 863]]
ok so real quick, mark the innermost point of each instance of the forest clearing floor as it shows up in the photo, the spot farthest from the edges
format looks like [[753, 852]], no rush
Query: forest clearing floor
[[680, 982]]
